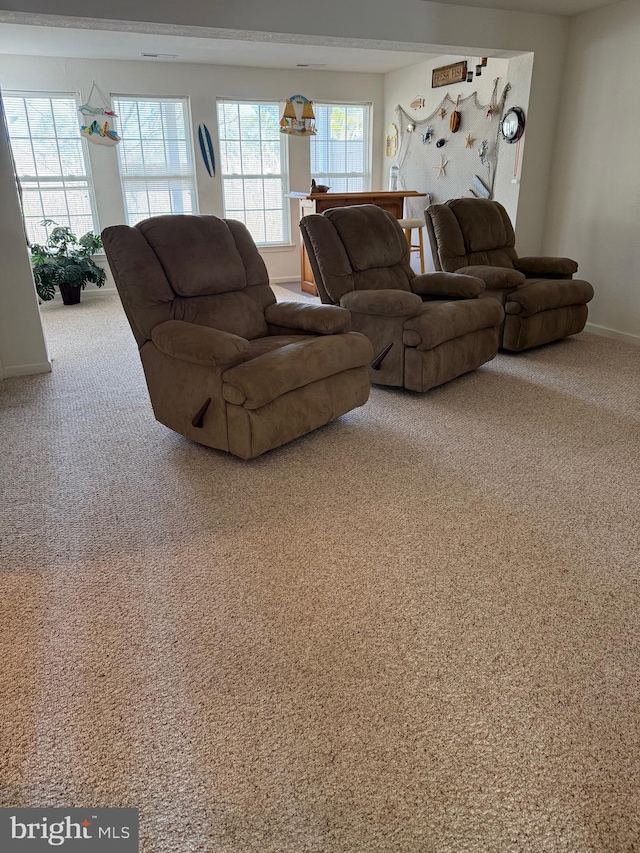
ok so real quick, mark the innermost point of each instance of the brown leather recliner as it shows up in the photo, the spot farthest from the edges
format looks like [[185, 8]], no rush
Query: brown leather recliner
[[425, 329], [225, 364], [542, 300]]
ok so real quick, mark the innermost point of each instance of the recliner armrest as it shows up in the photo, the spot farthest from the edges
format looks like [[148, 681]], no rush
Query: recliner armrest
[[546, 294], [267, 377], [199, 344], [494, 278], [546, 267], [385, 303], [446, 321], [318, 319], [447, 284]]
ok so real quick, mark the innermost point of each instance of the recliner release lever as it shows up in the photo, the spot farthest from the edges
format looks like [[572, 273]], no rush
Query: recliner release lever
[[198, 420], [377, 361]]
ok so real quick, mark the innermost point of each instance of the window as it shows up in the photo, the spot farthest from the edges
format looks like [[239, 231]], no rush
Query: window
[[253, 159], [51, 162], [340, 149], [155, 156]]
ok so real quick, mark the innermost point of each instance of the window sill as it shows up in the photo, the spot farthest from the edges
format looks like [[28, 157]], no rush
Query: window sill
[[262, 247], [276, 247]]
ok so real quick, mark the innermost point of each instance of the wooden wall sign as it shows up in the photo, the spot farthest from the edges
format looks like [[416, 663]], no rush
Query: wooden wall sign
[[448, 74]]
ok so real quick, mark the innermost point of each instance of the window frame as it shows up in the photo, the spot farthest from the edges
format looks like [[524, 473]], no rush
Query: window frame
[[368, 143], [283, 175], [146, 177], [63, 178]]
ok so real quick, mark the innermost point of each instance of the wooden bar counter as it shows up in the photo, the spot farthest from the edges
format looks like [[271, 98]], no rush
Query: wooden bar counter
[[318, 202]]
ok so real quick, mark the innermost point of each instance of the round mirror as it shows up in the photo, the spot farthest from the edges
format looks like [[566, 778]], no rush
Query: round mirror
[[512, 125]]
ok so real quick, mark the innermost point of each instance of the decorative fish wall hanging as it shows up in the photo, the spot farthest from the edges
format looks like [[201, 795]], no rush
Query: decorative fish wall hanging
[[417, 103], [98, 132]]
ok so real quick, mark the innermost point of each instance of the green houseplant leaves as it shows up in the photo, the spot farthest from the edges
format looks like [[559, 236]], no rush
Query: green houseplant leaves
[[65, 259]]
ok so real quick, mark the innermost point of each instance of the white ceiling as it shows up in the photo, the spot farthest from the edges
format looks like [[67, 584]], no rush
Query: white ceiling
[[30, 40], [549, 7], [79, 40]]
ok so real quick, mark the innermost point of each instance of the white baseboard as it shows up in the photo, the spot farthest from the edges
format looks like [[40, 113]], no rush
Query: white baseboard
[[98, 291], [290, 279], [604, 332], [26, 369]]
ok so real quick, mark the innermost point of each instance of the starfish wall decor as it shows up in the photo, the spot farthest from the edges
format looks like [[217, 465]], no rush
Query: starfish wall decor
[[442, 112], [469, 141], [442, 167]]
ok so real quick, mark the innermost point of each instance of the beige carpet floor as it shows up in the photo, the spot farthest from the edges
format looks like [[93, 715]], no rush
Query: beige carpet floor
[[415, 629]]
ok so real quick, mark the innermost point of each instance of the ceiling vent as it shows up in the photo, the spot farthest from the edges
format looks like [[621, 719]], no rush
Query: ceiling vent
[[311, 65], [159, 55]]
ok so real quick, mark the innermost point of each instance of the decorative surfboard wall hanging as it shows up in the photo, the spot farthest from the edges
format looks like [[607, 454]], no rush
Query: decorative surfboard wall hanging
[[206, 149]]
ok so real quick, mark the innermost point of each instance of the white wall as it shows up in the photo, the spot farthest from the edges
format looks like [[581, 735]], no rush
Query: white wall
[[594, 203], [22, 346], [202, 84], [519, 74]]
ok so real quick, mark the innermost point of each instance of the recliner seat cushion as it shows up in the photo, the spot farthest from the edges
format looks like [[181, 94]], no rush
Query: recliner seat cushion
[[388, 303], [448, 284], [494, 278], [317, 319], [198, 254], [260, 346], [199, 344]]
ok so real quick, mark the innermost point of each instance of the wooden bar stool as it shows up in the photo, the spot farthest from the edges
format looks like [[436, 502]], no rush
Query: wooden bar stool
[[408, 226]]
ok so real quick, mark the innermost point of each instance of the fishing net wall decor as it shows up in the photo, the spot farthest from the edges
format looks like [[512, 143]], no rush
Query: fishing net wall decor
[[465, 163]]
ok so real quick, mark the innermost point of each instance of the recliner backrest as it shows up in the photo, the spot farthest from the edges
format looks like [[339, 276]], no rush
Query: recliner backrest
[[469, 232], [360, 247], [200, 269]]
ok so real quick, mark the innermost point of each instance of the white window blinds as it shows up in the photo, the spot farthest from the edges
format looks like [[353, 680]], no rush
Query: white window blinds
[[155, 156], [340, 149], [253, 160], [51, 162]]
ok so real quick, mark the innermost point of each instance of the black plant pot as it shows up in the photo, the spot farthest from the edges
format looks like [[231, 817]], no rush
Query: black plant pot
[[70, 294]]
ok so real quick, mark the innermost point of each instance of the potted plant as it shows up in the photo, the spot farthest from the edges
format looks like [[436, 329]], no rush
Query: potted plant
[[66, 261]]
